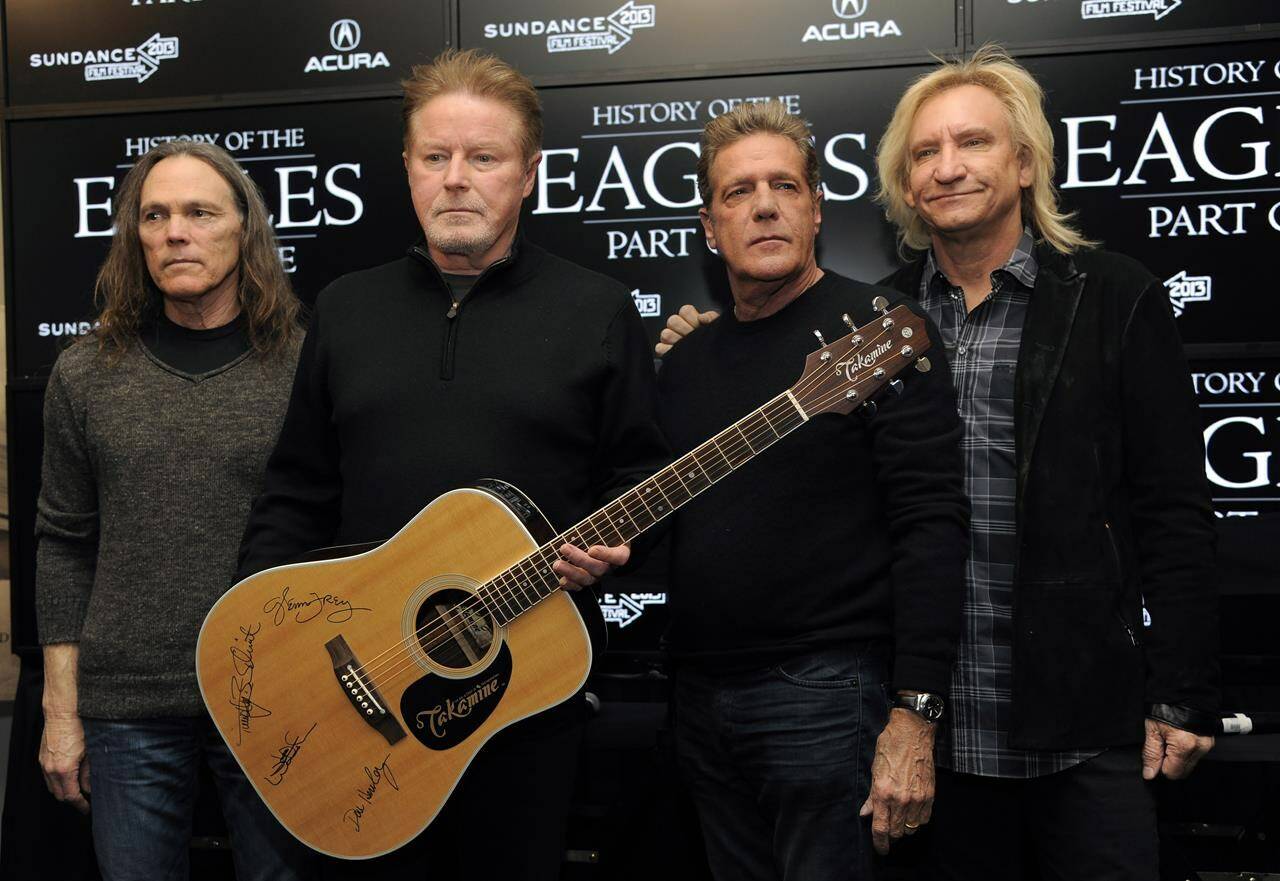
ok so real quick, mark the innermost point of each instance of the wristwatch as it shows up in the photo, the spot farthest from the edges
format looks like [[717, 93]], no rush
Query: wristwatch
[[929, 707]]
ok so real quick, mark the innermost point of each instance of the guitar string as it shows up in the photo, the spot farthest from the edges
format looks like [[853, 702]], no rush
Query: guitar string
[[440, 635], [476, 604], [435, 634]]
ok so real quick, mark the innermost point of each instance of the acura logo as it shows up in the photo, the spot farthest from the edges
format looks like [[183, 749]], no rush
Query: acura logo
[[344, 35], [848, 8]]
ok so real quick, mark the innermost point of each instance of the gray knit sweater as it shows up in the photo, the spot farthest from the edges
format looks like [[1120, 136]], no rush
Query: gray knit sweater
[[148, 477]]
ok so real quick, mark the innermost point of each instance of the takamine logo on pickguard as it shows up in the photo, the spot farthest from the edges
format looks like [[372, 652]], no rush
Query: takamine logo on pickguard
[[437, 719], [443, 712]]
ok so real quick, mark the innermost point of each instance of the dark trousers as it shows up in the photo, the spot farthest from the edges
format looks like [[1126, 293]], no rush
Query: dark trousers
[[1093, 822], [778, 762], [506, 820]]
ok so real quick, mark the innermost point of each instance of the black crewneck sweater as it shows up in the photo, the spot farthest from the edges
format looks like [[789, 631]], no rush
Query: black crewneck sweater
[[848, 529], [541, 376]]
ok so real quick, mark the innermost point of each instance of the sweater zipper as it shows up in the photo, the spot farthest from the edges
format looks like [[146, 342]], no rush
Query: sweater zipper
[[454, 315]]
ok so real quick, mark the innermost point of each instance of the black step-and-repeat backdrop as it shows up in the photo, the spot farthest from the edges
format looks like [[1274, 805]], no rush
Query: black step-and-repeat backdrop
[[89, 51], [1170, 155]]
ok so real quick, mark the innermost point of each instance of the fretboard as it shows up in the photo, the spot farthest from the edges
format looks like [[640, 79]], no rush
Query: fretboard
[[532, 580]]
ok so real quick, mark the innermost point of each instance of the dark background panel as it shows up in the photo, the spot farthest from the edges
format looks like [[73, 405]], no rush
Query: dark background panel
[[1179, 174], [331, 174], [617, 187], [1021, 22], [559, 40], [222, 47]]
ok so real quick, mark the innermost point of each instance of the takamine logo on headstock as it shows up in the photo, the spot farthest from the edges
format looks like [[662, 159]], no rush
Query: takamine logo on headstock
[[846, 373]]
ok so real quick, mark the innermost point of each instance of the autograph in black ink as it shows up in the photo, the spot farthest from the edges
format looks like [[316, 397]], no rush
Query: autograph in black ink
[[376, 775], [339, 610], [242, 682], [285, 756]]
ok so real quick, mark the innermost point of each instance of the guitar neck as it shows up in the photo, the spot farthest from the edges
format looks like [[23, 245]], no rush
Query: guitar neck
[[531, 580]]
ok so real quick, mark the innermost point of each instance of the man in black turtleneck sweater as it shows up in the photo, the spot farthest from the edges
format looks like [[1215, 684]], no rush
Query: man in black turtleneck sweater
[[832, 567], [477, 355]]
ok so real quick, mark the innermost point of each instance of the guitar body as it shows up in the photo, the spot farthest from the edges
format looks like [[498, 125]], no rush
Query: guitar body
[[355, 692]]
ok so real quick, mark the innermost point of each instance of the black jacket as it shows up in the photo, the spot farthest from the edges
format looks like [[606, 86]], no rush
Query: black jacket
[[1113, 509]]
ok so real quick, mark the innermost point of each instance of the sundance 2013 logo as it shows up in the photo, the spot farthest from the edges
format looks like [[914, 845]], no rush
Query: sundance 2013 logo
[[1117, 8], [851, 26], [137, 63], [344, 37], [582, 34]]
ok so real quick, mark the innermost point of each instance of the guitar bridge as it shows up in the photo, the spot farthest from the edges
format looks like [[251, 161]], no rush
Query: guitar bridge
[[361, 691]]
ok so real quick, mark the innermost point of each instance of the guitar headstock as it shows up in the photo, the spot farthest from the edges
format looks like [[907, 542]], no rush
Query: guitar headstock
[[846, 373]]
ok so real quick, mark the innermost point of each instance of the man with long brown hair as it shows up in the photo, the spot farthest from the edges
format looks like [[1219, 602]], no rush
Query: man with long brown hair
[[157, 430], [477, 355]]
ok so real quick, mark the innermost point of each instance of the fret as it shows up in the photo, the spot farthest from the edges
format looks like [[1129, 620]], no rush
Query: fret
[[619, 521], [710, 461], [741, 450], [645, 493], [759, 431], [765, 417], [714, 443], [641, 517], [674, 489], [655, 499], [695, 480]]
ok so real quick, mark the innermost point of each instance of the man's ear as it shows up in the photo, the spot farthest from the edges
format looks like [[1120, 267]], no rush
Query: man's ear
[[708, 227], [1026, 175], [531, 173], [817, 209]]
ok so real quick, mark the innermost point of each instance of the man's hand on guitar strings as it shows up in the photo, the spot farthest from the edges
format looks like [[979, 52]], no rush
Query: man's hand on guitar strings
[[578, 568]]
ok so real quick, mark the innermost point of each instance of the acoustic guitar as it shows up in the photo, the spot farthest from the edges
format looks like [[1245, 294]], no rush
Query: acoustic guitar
[[354, 692]]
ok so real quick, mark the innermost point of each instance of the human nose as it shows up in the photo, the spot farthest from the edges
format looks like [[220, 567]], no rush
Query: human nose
[[455, 173], [765, 203], [176, 229], [950, 166]]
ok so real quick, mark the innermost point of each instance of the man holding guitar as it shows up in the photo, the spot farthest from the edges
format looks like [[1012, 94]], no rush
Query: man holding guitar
[[802, 588], [478, 355]]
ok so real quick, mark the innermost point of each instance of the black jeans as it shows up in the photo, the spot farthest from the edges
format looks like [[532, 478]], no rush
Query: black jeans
[[1093, 822], [778, 762]]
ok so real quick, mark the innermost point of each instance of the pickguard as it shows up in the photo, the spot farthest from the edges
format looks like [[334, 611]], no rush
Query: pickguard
[[442, 712]]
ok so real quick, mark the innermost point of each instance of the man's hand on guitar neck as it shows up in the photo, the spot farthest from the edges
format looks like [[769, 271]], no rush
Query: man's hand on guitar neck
[[680, 325], [578, 568]]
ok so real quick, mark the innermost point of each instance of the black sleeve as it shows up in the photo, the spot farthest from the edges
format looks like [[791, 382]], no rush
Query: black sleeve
[[631, 446], [916, 444], [1170, 508], [298, 510]]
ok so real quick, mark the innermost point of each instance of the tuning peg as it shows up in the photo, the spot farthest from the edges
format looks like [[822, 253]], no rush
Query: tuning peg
[[847, 321], [818, 334], [923, 365], [868, 409], [896, 385], [880, 304]]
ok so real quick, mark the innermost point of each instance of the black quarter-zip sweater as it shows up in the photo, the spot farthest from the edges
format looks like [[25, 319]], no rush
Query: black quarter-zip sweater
[[541, 377]]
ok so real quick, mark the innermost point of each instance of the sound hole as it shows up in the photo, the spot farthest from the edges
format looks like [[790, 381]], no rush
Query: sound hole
[[454, 630]]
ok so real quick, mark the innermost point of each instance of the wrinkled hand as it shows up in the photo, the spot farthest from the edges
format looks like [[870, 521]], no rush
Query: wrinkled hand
[[578, 568], [680, 325], [901, 799], [1171, 751], [63, 762]]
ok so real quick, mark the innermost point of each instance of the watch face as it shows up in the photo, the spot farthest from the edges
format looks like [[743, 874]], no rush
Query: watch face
[[931, 707]]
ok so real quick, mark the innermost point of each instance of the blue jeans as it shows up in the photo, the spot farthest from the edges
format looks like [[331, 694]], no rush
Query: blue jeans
[[142, 777], [778, 761]]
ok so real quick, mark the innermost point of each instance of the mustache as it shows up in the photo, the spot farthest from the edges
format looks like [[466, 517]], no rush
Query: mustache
[[477, 207]]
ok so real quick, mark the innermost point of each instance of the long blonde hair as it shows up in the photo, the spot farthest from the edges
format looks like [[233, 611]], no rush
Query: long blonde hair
[[993, 69]]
